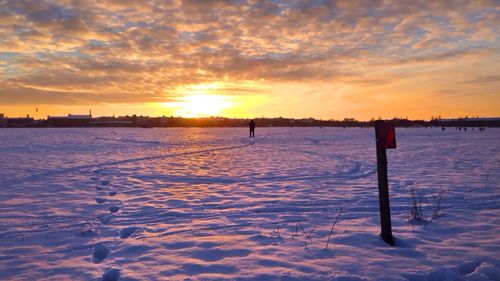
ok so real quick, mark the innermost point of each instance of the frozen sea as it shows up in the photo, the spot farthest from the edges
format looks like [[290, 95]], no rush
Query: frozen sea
[[212, 204]]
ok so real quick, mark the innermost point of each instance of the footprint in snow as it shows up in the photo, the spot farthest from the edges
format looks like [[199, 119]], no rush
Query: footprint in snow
[[100, 253], [112, 274], [100, 200], [112, 193], [128, 231], [114, 209]]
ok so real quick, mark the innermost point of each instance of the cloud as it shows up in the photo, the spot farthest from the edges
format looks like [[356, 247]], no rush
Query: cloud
[[23, 94], [486, 79], [106, 51]]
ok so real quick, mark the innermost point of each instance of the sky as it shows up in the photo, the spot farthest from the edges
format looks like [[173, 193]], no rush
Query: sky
[[307, 58]]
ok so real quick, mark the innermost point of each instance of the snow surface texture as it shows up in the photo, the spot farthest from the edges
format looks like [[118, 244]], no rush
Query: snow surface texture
[[205, 204]]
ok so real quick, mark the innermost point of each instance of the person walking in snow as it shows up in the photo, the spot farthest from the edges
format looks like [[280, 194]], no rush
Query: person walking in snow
[[251, 125]]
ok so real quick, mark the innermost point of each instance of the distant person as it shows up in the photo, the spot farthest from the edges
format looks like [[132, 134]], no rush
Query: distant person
[[251, 125]]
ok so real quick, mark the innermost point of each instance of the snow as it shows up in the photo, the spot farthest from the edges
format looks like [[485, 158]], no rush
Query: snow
[[212, 204]]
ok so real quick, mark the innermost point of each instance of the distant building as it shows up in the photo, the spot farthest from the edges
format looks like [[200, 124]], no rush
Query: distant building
[[69, 121], [307, 120], [467, 122], [16, 122], [3, 121], [469, 119], [110, 121], [163, 121]]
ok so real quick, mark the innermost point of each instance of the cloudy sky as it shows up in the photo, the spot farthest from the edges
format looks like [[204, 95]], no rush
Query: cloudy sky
[[324, 59]]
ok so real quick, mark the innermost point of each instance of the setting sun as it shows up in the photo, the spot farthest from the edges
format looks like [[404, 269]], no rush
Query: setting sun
[[202, 105], [219, 98]]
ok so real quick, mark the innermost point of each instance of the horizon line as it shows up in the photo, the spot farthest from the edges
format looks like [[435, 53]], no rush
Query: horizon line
[[352, 119]]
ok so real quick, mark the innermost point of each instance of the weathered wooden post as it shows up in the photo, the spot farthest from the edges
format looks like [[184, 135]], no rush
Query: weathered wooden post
[[385, 136]]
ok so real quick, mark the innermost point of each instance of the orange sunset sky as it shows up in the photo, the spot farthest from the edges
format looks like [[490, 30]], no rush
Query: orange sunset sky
[[322, 59]]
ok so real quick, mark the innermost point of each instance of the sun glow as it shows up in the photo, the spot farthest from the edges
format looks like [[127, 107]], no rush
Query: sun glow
[[203, 105], [221, 98]]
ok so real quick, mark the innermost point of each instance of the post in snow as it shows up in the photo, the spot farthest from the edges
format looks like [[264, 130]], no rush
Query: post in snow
[[385, 138]]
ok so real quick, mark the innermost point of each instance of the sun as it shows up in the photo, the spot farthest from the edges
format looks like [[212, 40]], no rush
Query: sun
[[202, 105], [220, 98]]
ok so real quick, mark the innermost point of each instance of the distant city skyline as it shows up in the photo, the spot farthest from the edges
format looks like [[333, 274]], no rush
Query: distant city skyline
[[87, 120], [244, 59]]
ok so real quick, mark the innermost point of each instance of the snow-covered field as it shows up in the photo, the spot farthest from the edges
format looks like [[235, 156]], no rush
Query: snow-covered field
[[211, 204]]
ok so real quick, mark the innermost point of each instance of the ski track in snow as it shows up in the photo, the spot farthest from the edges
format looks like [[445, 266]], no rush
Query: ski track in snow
[[195, 203]]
